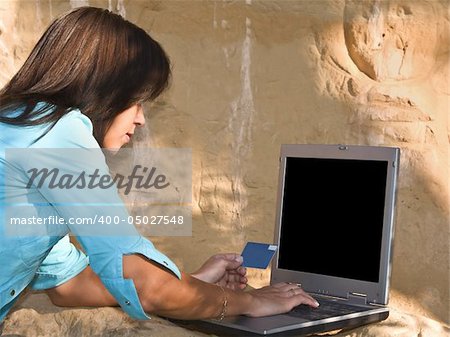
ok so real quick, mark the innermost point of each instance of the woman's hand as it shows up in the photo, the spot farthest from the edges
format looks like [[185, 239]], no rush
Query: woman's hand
[[224, 270], [278, 298]]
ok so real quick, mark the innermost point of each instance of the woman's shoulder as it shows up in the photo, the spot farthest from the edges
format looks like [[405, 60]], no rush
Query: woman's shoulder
[[75, 118], [72, 130]]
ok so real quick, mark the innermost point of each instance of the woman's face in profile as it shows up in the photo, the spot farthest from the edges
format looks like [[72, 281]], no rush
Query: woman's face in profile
[[122, 128]]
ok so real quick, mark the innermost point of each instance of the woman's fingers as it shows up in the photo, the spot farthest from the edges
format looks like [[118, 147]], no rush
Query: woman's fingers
[[306, 299], [286, 286], [280, 298], [236, 278], [280, 285], [292, 290]]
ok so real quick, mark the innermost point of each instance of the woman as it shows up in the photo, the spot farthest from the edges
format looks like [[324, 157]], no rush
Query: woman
[[82, 87]]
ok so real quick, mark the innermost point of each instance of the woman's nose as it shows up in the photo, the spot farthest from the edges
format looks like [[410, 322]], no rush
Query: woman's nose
[[140, 118]]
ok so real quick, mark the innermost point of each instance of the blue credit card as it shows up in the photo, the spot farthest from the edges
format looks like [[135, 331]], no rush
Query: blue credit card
[[258, 255]]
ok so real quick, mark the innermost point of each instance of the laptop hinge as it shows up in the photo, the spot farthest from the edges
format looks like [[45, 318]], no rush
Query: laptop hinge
[[357, 298]]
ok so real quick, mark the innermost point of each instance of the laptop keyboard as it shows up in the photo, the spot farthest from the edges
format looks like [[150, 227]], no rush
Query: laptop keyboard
[[325, 310]]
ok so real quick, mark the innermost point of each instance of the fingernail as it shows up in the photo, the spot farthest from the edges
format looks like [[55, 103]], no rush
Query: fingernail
[[316, 303], [239, 258]]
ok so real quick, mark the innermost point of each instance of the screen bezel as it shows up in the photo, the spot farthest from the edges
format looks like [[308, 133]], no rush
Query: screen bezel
[[375, 292]]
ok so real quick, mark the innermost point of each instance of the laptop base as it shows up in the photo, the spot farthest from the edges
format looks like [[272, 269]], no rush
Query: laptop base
[[216, 328]]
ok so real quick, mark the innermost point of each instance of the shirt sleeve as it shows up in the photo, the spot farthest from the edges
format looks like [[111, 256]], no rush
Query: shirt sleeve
[[96, 215]]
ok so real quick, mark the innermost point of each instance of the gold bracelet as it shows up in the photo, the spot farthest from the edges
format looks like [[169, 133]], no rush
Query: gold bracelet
[[224, 305]]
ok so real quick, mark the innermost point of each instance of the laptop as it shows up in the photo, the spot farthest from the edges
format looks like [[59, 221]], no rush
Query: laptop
[[334, 230]]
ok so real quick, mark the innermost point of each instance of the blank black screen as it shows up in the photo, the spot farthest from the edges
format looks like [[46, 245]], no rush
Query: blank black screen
[[332, 217]]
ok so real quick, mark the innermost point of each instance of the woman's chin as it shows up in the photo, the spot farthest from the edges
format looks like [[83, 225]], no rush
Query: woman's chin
[[111, 151]]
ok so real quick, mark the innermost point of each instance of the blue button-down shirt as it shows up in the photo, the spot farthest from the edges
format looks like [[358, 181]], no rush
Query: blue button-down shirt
[[47, 258]]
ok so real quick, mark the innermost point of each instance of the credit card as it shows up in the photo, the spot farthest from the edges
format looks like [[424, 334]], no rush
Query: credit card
[[258, 255]]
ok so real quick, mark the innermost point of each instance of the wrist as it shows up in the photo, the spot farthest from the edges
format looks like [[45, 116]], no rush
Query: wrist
[[248, 303], [224, 305]]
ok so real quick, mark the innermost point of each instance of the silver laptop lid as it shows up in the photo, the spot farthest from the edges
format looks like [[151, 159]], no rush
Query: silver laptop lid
[[334, 223]]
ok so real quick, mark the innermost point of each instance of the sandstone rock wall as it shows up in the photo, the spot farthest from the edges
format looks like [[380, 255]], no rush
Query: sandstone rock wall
[[251, 75]]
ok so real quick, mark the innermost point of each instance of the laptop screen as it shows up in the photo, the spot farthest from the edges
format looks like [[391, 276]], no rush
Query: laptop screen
[[332, 217]]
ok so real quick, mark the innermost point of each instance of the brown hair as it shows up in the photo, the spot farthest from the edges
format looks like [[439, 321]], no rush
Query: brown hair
[[90, 59]]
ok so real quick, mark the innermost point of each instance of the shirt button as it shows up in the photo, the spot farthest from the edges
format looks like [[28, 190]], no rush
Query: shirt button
[[13, 292], [127, 302]]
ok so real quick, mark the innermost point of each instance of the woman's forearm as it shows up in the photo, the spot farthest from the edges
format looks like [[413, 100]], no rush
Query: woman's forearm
[[190, 298], [164, 294]]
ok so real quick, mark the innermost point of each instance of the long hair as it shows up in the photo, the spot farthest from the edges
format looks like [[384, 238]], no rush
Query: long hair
[[90, 59]]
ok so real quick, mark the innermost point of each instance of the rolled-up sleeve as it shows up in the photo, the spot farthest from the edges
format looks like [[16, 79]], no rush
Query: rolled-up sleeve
[[110, 234], [107, 263]]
